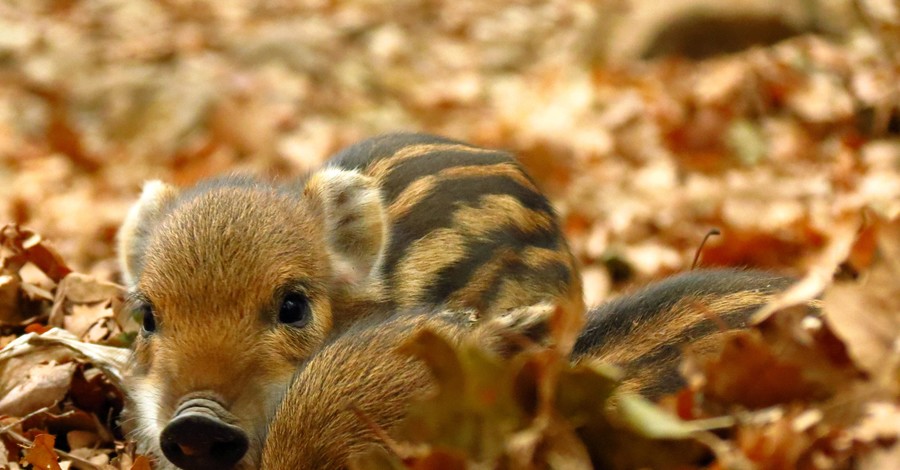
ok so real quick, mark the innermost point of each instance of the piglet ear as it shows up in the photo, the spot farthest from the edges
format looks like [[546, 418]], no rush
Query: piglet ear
[[139, 223], [355, 221], [517, 329]]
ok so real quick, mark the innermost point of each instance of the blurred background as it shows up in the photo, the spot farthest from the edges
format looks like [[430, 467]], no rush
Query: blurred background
[[648, 122]]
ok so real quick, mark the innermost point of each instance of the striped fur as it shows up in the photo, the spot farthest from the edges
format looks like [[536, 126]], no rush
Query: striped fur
[[317, 425], [468, 228], [398, 222], [643, 332]]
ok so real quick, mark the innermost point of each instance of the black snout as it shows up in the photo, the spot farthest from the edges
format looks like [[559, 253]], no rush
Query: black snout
[[199, 439]]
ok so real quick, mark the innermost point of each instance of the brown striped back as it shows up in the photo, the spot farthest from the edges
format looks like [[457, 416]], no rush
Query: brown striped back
[[644, 332], [468, 228]]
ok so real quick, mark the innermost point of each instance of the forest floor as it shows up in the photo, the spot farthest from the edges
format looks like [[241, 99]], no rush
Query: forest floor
[[790, 151]]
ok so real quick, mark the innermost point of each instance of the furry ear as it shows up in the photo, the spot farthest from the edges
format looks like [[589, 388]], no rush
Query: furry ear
[[517, 329], [142, 216], [355, 221]]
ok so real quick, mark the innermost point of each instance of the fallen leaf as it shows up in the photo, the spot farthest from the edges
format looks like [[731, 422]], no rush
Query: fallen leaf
[[842, 236], [84, 317], [41, 454], [750, 373], [866, 314], [141, 463], [650, 421], [9, 298], [111, 360], [39, 387], [78, 439], [84, 289]]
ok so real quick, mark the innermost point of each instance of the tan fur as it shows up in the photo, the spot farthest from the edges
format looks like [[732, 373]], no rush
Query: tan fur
[[668, 324], [315, 426], [154, 197], [443, 247], [422, 187], [384, 166], [215, 303], [216, 261], [318, 425], [422, 265]]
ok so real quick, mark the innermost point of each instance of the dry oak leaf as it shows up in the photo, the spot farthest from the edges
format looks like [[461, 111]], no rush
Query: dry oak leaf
[[19, 246], [750, 373], [41, 386], [141, 463], [41, 453], [865, 315]]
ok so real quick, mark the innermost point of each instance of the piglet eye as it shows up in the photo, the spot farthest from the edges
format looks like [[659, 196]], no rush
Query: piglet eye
[[295, 310], [148, 319]]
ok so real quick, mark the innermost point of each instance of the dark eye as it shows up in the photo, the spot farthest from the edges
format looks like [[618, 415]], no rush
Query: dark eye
[[148, 320], [295, 310]]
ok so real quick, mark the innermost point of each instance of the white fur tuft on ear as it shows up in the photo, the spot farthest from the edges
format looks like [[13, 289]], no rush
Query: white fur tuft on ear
[[355, 222], [517, 329], [155, 196]]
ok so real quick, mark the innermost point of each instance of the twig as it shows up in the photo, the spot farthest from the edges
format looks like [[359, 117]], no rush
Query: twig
[[45, 409], [78, 462]]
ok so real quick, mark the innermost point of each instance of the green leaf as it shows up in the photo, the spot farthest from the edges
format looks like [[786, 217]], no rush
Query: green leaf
[[650, 421]]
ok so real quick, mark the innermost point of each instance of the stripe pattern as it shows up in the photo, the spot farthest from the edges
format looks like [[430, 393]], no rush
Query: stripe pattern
[[645, 332], [468, 227]]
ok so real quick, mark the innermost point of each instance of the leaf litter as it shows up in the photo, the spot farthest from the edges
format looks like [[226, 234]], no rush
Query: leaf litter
[[790, 150]]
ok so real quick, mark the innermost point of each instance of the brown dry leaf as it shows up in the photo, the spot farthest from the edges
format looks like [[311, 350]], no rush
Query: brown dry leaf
[[84, 289], [22, 246], [9, 298], [879, 426], [776, 446], [78, 439], [95, 456], [60, 343], [35, 292], [547, 436], [39, 387], [866, 314], [472, 410], [842, 237], [141, 463], [4, 457], [41, 454], [82, 302], [84, 317], [611, 438], [822, 99], [750, 373]]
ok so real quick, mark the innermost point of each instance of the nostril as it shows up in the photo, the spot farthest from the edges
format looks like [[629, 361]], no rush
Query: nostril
[[195, 440]]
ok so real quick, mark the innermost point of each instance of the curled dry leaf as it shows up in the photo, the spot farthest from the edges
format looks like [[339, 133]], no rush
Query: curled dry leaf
[[472, 410], [22, 246], [41, 453], [111, 360], [784, 363], [880, 430], [84, 289], [141, 463], [776, 445], [840, 243], [866, 314], [40, 386], [82, 302], [9, 298]]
